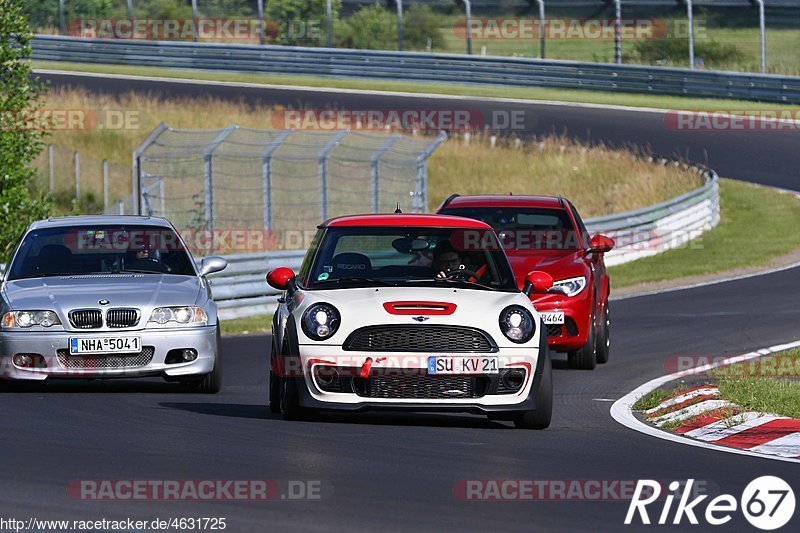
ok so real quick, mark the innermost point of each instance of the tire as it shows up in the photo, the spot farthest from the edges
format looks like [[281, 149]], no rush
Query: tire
[[274, 393], [540, 417], [603, 338], [212, 383], [290, 402], [586, 357]]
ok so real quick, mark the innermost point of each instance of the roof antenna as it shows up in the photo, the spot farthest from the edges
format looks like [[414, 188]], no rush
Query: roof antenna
[[398, 211]]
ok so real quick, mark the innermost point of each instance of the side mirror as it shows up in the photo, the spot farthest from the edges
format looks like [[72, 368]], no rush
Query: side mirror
[[211, 264], [537, 282], [600, 244], [281, 278]]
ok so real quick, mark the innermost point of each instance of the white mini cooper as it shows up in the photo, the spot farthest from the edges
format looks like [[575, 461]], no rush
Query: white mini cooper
[[409, 312]]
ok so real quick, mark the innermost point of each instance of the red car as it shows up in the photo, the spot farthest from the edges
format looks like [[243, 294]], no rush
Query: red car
[[547, 234]]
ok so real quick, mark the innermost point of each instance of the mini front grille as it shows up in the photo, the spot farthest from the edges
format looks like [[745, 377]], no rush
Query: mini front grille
[[86, 318], [421, 387], [122, 318], [133, 360], [411, 338]]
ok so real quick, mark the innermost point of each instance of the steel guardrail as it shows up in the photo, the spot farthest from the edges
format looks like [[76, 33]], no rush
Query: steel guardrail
[[419, 66], [241, 289]]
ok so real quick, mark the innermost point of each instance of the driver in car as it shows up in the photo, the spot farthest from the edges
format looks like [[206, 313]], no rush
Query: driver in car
[[447, 260]]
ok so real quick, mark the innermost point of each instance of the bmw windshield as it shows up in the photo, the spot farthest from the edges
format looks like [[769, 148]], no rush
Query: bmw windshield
[[107, 249], [374, 256]]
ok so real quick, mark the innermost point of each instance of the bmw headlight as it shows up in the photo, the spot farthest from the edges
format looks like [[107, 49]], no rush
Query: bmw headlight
[[320, 321], [181, 316], [517, 324], [571, 286], [26, 319]]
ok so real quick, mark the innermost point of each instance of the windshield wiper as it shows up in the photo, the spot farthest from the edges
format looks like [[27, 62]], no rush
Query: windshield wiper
[[135, 271], [373, 281]]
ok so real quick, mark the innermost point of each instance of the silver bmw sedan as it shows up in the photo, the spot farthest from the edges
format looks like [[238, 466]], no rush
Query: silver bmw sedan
[[108, 297]]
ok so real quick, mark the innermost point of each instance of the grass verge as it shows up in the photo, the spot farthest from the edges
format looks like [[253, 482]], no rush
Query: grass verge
[[754, 228], [597, 179], [772, 388], [654, 398], [556, 95], [247, 326]]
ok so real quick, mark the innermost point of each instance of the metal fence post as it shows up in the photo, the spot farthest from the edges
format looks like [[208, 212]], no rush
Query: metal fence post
[[618, 30], [194, 20], [78, 176], [690, 15], [399, 24], [323, 172], [420, 202], [542, 23], [129, 8], [121, 207], [50, 165], [136, 175], [105, 185], [266, 175], [262, 38], [161, 193], [762, 28], [329, 10], [468, 8], [208, 175], [375, 170], [62, 18]]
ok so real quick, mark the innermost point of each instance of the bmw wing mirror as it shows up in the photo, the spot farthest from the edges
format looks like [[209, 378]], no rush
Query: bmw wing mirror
[[212, 264]]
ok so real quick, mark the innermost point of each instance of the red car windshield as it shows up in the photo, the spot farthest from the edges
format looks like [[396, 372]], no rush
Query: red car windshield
[[369, 256], [521, 228]]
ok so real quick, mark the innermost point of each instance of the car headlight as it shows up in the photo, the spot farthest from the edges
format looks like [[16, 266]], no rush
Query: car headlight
[[26, 319], [185, 315], [320, 321], [517, 324], [571, 286]]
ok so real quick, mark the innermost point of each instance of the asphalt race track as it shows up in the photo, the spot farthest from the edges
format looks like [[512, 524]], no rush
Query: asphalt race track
[[398, 471]]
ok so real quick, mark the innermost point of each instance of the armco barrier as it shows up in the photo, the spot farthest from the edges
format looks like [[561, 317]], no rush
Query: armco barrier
[[241, 289], [416, 66]]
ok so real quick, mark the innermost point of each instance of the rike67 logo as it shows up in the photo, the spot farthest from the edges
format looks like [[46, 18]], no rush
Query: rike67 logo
[[767, 502]]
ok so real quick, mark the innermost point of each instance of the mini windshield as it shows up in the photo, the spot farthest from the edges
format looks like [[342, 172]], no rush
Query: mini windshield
[[370, 256], [114, 249], [521, 228]]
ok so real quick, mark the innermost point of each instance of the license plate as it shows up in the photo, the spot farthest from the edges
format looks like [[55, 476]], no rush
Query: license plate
[[556, 317], [94, 345], [462, 364]]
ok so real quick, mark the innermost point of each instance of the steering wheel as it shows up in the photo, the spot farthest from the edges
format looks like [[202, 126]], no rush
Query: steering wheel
[[461, 273]]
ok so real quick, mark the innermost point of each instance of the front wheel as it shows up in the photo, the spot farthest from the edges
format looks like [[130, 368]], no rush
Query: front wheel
[[540, 417], [586, 357], [212, 383]]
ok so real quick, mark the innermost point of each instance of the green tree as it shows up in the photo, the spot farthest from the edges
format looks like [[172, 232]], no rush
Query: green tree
[[421, 23], [299, 22], [19, 142], [372, 27]]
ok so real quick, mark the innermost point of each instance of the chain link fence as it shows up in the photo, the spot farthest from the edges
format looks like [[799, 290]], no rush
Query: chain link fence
[[97, 185], [247, 190]]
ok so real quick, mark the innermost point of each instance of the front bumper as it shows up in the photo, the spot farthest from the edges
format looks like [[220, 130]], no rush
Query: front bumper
[[574, 333], [54, 365], [410, 366]]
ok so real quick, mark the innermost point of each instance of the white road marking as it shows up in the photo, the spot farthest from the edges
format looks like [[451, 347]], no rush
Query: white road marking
[[690, 411], [786, 446], [723, 428], [622, 409], [705, 391]]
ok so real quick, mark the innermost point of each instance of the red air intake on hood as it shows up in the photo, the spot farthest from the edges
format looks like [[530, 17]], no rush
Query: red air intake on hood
[[419, 308]]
